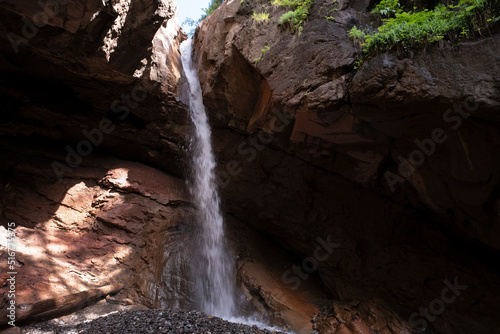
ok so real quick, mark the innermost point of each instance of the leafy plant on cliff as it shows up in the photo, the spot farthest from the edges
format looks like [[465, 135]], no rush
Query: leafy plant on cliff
[[387, 8], [297, 17], [408, 30], [261, 17], [357, 34], [332, 10], [264, 50]]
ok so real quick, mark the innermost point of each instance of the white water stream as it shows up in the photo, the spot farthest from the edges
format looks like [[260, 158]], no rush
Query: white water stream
[[212, 267]]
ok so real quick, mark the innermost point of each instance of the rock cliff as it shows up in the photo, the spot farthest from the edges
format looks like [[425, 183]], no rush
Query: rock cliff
[[364, 200], [393, 161], [93, 141], [66, 67], [89, 109]]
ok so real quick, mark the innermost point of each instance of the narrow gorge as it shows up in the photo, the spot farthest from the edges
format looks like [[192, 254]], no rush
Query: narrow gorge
[[268, 171]]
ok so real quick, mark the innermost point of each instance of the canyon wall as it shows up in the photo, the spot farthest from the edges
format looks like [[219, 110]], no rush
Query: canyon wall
[[92, 144], [355, 198], [393, 161], [65, 68]]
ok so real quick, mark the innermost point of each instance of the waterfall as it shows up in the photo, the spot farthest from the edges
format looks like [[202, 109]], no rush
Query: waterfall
[[212, 265]]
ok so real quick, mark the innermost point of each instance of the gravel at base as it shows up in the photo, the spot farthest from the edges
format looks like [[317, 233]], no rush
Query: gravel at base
[[148, 321]]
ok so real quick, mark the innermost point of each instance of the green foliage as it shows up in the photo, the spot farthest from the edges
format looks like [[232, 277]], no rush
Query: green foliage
[[291, 3], [214, 4], [332, 10], [357, 34], [264, 50], [191, 23], [261, 17], [410, 30], [387, 8], [297, 17]]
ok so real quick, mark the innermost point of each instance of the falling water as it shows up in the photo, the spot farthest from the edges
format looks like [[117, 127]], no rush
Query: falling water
[[212, 268]]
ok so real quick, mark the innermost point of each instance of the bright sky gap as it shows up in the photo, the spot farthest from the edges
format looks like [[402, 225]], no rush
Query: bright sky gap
[[191, 9]]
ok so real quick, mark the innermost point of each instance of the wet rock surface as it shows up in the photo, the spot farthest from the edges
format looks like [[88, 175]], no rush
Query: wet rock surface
[[148, 321], [358, 317]]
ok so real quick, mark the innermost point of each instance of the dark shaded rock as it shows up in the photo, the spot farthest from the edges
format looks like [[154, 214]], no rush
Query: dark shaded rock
[[454, 91], [65, 76], [311, 160]]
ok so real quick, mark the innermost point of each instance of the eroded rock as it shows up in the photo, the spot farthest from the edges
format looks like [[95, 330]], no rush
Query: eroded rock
[[119, 222], [309, 157]]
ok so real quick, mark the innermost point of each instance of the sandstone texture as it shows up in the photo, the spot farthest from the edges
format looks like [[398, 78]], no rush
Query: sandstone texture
[[93, 60], [353, 199], [310, 147], [110, 221], [84, 84]]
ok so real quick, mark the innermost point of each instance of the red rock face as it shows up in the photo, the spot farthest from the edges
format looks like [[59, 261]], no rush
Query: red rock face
[[304, 145], [83, 83], [312, 156], [100, 225], [77, 69], [93, 83]]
